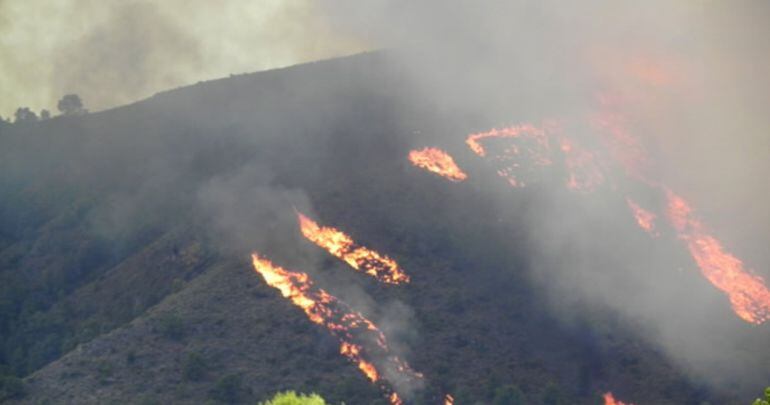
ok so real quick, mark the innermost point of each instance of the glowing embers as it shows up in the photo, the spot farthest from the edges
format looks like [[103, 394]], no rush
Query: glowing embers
[[439, 162], [348, 326], [609, 399], [520, 151], [645, 219], [360, 258], [583, 170], [748, 294]]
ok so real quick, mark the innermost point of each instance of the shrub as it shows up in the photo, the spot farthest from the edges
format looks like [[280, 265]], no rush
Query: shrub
[[172, 327], [194, 367], [765, 401], [227, 389], [292, 398]]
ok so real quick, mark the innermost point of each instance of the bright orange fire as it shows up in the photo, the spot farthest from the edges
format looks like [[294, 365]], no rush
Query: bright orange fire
[[748, 294], [610, 400], [437, 161], [449, 400], [645, 219], [749, 297], [360, 258], [345, 324], [519, 159]]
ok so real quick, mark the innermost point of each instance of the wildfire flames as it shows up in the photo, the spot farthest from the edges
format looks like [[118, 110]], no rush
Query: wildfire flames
[[748, 294], [449, 400], [609, 399], [749, 297], [520, 151], [583, 170], [358, 257], [346, 325], [645, 219], [439, 162]]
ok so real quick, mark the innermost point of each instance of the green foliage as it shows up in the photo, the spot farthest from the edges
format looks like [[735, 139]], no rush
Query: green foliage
[[194, 367], [292, 398], [765, 401], [227, 389]]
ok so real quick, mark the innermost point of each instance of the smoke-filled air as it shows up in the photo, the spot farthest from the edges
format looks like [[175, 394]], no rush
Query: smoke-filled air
[[385, 202]]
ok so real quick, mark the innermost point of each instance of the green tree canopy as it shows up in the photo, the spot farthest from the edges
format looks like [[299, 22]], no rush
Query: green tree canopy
[[765, 401], [292, 398]]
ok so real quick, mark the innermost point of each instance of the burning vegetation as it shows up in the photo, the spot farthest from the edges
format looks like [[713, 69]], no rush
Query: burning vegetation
[[361, 341], [340, 245], [645, 219], [518, 151], [609, 399], [439, 162], [748, 293]]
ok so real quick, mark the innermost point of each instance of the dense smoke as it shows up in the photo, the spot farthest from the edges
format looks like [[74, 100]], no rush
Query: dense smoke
[[116, 52], [239, 161], [696, 72]]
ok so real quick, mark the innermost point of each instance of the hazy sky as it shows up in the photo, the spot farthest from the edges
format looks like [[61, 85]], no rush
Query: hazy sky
[[113, 52]]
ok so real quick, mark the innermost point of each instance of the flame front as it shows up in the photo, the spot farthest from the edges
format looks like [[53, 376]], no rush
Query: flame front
[[748, 294], [358, 257], [749, 297], [346, 325], [528, 148], [439, 162], [609, 399], [645, 219]]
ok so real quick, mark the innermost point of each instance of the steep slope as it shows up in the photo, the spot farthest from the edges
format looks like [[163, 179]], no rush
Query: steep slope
[[127, 234]]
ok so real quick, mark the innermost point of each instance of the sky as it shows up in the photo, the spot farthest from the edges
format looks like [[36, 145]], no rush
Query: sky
[[113, 52]]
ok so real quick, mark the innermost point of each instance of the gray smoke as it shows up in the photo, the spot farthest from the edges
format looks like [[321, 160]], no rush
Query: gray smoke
[[704, 121]]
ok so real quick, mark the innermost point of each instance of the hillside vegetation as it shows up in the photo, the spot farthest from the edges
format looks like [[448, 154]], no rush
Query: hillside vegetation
[[125, 238]]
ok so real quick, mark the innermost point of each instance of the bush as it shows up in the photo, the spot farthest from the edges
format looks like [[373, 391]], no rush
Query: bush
[[227, 389], [194, 367], [292, 398], [765, 401], [172, 327]]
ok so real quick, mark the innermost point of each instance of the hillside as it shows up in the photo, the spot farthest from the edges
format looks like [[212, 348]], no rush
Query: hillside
[[125, 238]]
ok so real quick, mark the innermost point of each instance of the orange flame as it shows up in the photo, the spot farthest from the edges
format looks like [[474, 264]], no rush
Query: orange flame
[[344, 323], [645, 219], [358, 257], [582, 166], [748, 294], [623, 146], [449, 400], [532, 144], [749, 297], [610, 400], [437, 161]]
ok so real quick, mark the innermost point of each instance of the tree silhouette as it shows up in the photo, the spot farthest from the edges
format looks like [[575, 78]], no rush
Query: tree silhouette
[[71, 104], [24, 115]]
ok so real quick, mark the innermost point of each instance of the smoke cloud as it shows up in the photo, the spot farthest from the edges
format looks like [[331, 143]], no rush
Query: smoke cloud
[[116, 52], [695, 73]]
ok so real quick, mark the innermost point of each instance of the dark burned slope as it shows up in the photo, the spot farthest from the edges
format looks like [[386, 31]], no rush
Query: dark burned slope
[[125, 238]]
